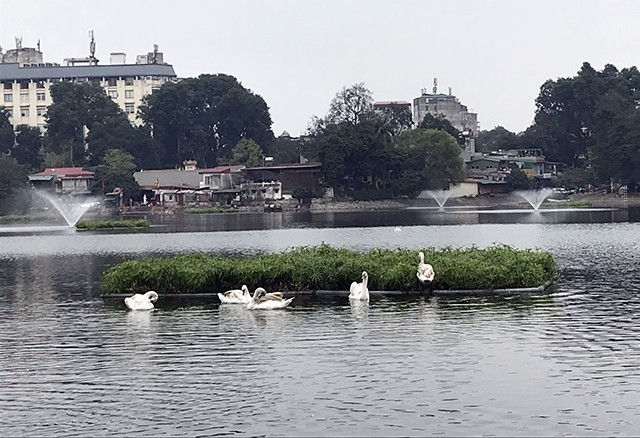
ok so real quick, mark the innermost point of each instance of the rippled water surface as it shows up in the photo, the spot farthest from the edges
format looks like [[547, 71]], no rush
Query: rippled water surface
[[565, 363]]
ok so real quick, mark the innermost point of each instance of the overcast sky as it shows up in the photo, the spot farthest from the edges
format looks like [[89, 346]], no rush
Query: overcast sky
[[297, 54]]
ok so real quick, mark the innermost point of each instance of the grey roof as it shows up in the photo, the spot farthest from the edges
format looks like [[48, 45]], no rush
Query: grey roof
[[168, 178], [13, 71]]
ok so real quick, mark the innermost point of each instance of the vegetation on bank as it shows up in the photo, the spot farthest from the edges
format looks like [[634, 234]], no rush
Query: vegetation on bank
[[209, 210], [328, 268], [566, 204], [11, 219], [128, 223]]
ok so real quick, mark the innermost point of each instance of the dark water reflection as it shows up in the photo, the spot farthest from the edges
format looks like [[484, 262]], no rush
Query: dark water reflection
[[565, 363]]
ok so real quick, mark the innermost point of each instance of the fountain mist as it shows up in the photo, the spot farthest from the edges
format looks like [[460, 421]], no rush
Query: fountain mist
[[440, 196], [70, 209], [535, 197]]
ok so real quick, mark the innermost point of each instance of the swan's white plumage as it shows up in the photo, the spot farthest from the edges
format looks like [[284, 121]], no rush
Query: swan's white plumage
[[236, 296], [360, 291], [425, 271], [141, 302], [268, 301]]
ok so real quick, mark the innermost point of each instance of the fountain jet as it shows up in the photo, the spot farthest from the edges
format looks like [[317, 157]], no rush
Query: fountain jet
[[70, 209], [535, 197], [440, 196]]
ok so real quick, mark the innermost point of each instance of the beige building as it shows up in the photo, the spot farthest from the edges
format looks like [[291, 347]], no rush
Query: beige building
[[25, 84], [446, 105]]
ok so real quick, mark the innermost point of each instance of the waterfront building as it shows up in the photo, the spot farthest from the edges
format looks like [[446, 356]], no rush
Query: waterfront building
[[25, 81], [63, 180]]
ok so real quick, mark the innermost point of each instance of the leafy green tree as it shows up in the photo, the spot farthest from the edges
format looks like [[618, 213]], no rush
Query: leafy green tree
[[7, 137], [28, 147], [395, 119], [117, 170], [13, 178], [577, 178], [424, 159], [203, 118], [518, 180], [248, 152], [350, 104], [441, 123], [496, 139], [284, 149], [76, 108]]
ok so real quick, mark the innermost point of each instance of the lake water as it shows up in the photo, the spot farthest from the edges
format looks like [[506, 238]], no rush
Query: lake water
[[562, 363]]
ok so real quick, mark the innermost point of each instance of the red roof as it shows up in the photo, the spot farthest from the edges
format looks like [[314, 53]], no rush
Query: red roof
[[68, 172], [222, 169]]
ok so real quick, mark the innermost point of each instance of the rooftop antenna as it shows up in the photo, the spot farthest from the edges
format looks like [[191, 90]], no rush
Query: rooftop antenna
[[18, 43], [92, 46], [38, 44], [155, 54], [449, 91], [435, 85]]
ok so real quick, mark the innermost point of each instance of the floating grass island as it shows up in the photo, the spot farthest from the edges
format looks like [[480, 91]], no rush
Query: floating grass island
[[327, 268], [109, 224]]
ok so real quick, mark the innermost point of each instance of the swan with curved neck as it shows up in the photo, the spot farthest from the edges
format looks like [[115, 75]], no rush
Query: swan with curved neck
[[268, 301], [425, 271], [236, 296], [141, 302], [360, 291]]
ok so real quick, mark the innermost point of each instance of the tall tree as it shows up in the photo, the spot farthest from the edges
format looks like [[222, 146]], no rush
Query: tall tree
[[116, 170], [441, 123], [13, 178], [28, 148], [424, 159], [284, 149], [496, 139], [350, 104], [203, 118], [7, 137], [248, 152]]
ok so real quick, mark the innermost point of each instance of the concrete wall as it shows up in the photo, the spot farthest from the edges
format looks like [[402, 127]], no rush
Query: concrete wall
[[463, 189]]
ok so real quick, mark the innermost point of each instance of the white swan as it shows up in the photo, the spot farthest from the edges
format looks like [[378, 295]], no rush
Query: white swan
[[359, 291], [236, 296], [141, 302], [263, 300], [425, 271]]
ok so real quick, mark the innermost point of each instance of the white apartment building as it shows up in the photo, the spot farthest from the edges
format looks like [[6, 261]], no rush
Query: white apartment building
[[24, 86]]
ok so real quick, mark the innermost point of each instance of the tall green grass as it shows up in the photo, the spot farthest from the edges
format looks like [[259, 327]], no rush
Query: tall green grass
[[325, 267], [128, 223]]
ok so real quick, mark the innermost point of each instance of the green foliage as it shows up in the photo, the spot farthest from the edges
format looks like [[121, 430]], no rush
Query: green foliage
[[577, 178], [324, 267], [441, 123], [203, 118], [117, 170], [395, 119], [518, 180], [423, 159], [7, 137], [28, 148], [576, 204], [18, 218], [350, 104], [284, 149], [128, 223], [13, 179], [496, 139], [248, 152], [302, 193]]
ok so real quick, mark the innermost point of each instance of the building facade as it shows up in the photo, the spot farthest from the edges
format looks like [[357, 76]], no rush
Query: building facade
[[446, 105], [25, 82]]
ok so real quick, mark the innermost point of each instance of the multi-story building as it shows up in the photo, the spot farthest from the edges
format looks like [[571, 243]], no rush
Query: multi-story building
[[446, 105], [25, 81]]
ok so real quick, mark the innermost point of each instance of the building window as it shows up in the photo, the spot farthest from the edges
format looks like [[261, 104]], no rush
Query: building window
[[112, 82], [41, 110], [24, 85], [24, 111], [113, 94], [40, 84], [8, 86], [128, 81], [24, 97], [8, 97], [40, 97], [129, 108], [128, 94]]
